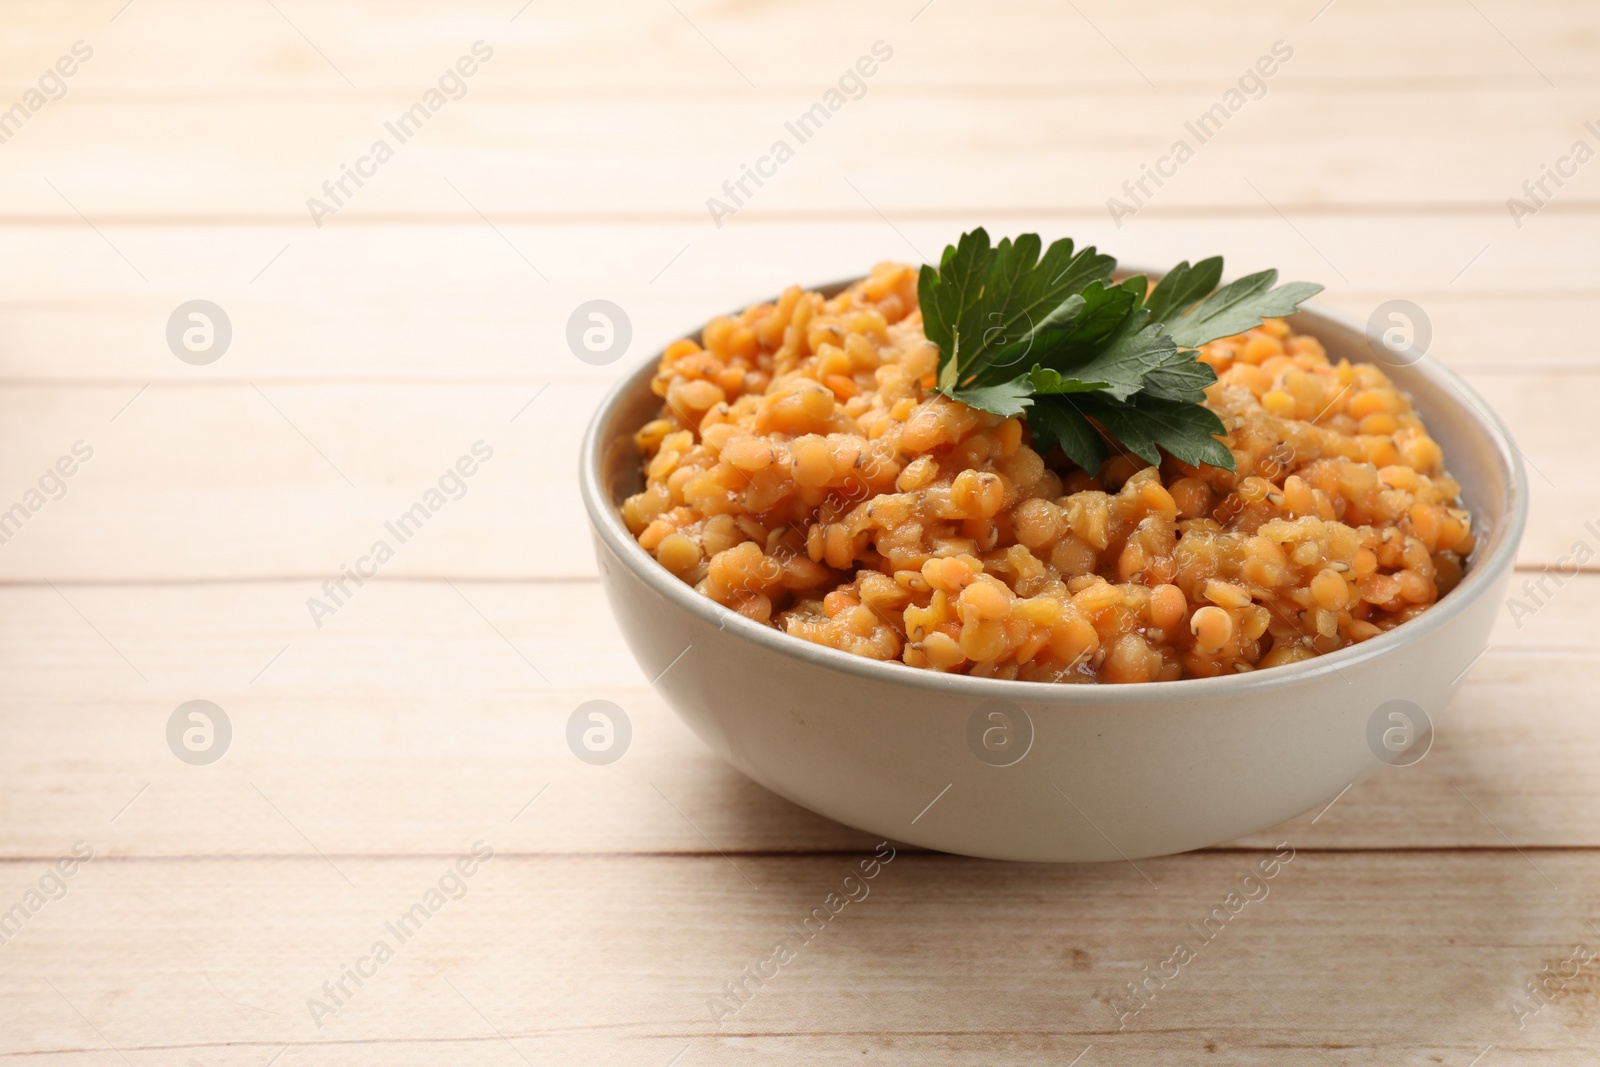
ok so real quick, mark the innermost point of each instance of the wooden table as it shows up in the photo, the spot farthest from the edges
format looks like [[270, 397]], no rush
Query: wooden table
[[423, 714]]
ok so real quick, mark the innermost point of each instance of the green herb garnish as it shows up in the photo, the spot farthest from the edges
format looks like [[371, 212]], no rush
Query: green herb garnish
[[1053, 338]]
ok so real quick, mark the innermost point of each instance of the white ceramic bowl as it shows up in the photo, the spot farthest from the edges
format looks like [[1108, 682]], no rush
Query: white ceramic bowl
[[1105, 772]]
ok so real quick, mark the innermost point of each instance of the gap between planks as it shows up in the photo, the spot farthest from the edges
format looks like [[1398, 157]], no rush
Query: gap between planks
[[1460, 366], [436, 579], [788, 854], [697, 216], [579, 93]]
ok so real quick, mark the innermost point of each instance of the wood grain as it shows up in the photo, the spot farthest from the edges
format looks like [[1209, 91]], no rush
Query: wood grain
[[266, 158], [427, 713], [1349, 958], [650, 49]]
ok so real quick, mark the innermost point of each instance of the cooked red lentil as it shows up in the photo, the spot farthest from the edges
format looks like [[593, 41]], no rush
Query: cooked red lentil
[[804, 474]]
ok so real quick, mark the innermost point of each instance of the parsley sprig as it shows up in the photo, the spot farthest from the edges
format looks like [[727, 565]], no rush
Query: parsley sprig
[[1054, 338]]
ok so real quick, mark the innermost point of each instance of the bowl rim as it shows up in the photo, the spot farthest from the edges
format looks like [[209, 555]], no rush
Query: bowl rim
[[606, 520]]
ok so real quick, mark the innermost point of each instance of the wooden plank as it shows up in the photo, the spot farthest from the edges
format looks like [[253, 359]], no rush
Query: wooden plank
[[235, 480], [650, 48], [455, 301], [419, 712], [141, 132], [614, 960], [1300, 149]]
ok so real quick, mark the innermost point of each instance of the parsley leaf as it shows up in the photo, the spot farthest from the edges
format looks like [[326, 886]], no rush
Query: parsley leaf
[[1182, 286], [1089, 361], [988, 308], [1058, 421], [1133, 350], [1238, 307], [1180, 377], [1103, 311], [1183, 429], [1006, 398]]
